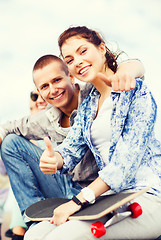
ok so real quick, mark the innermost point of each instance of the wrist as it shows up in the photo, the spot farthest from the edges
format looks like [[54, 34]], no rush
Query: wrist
[[88, 194], [80, 205]]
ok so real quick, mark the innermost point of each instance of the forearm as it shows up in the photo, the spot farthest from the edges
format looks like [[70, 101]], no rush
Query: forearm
[[134, 68], [62, 213], [98, 186]]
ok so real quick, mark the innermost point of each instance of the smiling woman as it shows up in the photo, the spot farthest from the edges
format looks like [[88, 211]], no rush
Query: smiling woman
[[80, 47]]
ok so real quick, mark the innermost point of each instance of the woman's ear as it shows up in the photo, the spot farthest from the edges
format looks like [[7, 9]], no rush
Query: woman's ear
[[102, 47]]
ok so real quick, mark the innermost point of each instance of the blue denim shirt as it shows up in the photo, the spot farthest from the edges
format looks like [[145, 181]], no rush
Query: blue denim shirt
[[134, 153]]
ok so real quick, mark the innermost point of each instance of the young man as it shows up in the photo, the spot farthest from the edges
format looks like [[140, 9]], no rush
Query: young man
[[21, 157]]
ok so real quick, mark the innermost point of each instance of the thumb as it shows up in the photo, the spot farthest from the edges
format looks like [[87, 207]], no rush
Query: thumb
[[104, 78], [49, 146]]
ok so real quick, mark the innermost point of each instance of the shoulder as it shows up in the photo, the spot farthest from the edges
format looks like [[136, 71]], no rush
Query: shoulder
[[53, 113], [85, 89]]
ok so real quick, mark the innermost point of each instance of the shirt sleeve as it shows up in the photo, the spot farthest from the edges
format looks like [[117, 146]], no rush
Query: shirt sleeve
[[31, 127], [128, 154], [73, 147]]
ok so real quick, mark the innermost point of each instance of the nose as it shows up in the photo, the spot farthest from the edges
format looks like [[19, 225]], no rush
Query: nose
[[78, 61], [53, 89]]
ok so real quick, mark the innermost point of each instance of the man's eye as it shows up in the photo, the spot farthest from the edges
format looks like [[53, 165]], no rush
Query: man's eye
[[57, 80], [44, 87]]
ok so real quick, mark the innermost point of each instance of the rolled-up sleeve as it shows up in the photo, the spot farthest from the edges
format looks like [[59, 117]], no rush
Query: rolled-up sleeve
[[74, 146]]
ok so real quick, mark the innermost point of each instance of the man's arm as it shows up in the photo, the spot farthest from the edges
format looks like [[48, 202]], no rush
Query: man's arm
[[31, 127]]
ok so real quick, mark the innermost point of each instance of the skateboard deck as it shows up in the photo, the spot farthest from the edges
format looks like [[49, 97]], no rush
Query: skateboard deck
[[43, 210]]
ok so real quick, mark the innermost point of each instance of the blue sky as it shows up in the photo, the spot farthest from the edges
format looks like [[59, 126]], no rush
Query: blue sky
[[30, 28]]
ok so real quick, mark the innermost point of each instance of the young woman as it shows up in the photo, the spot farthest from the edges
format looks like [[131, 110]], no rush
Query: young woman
[[119, 130]]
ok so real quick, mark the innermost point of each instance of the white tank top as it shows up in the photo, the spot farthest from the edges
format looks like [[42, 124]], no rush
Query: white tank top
[[101, 130]]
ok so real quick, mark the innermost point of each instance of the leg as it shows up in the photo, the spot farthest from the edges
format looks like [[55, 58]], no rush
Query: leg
[[17, 224], [146, 226], [29, 184], [71, 230]]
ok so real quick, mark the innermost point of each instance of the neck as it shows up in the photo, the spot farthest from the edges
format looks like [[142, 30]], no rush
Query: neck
[[67, 110], [101, 86]]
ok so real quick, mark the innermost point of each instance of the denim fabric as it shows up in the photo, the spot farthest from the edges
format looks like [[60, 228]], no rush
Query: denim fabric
[[134, 153], [29, 183]]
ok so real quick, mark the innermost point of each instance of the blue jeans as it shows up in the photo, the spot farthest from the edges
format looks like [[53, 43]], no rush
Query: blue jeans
[[29, 183]]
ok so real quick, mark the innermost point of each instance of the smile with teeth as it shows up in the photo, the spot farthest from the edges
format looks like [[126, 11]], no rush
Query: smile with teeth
[[58, 97], [41, 107], [84, 70]]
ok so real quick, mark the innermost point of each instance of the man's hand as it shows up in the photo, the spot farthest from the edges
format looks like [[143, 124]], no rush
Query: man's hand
[[119, 81], [48, 161]]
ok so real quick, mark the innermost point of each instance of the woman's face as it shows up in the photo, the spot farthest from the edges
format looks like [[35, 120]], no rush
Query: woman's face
[[83, 58]]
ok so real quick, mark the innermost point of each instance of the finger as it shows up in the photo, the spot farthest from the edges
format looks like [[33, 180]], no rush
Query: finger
[[133, 83], [115, 85], [49, 146], [122, 84], [127, 85], [48, 168], [104, 78], [48, 172], [52, 220]]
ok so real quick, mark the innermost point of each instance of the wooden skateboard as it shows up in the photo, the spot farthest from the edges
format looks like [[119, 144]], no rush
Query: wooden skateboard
[[104, 205]]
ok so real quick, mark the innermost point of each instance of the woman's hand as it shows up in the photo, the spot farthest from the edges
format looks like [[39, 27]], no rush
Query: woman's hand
[[119, 81], [62, 213]]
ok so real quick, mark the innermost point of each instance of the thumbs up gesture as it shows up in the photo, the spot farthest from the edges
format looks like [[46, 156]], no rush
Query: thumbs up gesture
[[50, 161], [119, 81]]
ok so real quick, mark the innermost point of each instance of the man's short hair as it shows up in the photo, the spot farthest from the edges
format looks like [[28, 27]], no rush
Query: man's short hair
[[47, 59]]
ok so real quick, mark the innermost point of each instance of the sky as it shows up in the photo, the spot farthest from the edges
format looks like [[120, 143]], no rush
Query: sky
[[30, 29]]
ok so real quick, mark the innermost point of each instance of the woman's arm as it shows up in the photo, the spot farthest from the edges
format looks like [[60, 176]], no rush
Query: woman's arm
[[133, 67], [124, 78], [62, 213]]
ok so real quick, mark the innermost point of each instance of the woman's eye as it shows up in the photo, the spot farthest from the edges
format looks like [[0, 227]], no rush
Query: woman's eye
[[69, 61], [83, 51]]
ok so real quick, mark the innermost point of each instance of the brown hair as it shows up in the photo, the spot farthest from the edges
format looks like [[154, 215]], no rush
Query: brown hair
[[47, 59], [92, 37]]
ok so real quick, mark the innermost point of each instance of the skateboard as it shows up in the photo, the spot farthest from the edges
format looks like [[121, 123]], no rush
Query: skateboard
[[103, 206]]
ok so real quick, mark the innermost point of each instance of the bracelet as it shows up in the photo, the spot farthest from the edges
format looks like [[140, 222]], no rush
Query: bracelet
[[79, 203]]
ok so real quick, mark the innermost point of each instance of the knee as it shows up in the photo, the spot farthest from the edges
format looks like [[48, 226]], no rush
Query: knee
[[7, 143]]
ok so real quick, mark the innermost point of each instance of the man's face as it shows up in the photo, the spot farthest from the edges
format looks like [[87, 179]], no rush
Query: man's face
[[54, 85]]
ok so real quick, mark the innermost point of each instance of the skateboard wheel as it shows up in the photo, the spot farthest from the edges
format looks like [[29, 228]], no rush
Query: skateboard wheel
[[136, 209], [98, 229]]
